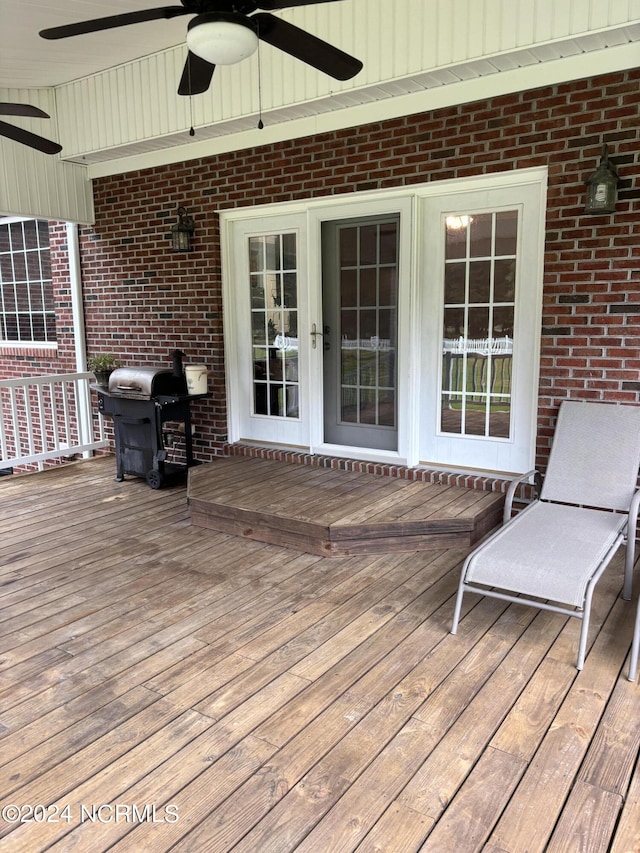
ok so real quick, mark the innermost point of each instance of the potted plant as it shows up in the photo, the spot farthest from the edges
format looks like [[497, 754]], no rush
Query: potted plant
[[103, 364]]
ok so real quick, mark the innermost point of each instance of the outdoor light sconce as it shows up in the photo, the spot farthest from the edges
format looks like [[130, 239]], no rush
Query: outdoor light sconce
[[182, 232], [602, 186]]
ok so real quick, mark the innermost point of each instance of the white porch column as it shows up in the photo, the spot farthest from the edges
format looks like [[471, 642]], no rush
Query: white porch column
[[75, 279]]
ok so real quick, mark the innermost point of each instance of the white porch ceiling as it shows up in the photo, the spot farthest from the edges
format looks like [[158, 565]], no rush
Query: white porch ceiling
[[28, 61], [112, 95]]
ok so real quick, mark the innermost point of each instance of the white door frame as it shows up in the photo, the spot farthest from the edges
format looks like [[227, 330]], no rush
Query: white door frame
[[409, 203]]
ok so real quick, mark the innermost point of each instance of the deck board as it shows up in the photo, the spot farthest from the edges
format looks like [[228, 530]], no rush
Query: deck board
[[336, 513], [285, 701]]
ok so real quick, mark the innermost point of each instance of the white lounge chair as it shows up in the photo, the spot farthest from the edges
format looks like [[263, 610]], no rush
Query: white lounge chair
[[551, 554]]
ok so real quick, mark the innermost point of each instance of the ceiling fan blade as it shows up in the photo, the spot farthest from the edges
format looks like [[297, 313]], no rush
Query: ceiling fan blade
[[306, 47], [22, 110], [30, 139], [98, 24], [274, 5], [196, 75]]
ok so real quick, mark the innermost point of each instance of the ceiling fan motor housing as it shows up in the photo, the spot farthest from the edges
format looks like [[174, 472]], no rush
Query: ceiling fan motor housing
[[222, 38]]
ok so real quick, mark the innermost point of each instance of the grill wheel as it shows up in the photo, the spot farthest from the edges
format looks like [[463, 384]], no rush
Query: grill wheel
[[155, 479]]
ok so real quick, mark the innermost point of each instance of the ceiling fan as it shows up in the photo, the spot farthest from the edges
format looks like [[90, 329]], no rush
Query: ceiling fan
[[225, 32], [24, 136]]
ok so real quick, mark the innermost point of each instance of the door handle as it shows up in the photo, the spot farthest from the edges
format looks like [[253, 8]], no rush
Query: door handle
[[314, 335]]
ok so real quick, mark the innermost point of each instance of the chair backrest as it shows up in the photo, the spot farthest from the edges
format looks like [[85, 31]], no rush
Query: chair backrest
[[595, 455]]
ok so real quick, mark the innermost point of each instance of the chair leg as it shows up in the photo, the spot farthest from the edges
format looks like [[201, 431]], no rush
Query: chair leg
[[458, 607], [629, 559], [583, 643], [635, 647], [584, 632]]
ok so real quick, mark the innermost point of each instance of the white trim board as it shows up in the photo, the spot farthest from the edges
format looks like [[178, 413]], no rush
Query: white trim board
[[617, 58]]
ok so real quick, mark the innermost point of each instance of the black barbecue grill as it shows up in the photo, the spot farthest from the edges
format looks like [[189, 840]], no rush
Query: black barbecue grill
[[141, 401]]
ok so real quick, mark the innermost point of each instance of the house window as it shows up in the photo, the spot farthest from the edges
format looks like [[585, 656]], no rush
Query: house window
[[26, 293]]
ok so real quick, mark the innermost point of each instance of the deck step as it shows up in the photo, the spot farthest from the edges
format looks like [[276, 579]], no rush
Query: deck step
[[334, 512]]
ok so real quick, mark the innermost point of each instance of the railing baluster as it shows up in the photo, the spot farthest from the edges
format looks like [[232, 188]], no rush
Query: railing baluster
[[31, 439], [54, 415], [65, 411], [32, 432], [17, 445], [3, 429], [42, 423]]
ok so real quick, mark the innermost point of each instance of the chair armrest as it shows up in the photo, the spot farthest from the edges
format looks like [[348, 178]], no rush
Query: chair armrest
[[513, 486], [632, 522], [630, 557]]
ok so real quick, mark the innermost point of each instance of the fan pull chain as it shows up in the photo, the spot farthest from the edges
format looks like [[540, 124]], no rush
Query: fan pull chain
[[260, 122], [191, 130]]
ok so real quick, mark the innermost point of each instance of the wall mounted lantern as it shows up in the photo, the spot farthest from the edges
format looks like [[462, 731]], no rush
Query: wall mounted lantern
[[182, 232], [602, 186]]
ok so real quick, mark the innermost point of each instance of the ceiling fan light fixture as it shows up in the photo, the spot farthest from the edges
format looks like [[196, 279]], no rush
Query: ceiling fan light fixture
[[222, 38]]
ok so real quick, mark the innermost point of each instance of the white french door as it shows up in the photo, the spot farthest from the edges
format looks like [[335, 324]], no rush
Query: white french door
[[267, 335], [400, 327], [360, 331]]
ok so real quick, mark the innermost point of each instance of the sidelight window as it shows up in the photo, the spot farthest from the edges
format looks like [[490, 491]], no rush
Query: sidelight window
[[273, 282], [478, 328]]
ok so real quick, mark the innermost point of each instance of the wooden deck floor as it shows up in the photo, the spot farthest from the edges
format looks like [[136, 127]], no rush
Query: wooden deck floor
[[167, 687], [336, 513]]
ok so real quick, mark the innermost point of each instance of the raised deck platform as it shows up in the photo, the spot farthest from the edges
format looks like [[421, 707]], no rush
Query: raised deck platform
[[336, 513]]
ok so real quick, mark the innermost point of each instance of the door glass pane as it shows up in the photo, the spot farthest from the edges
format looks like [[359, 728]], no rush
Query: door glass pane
[[368, 281], [387, 406], [479, 281], [273, 282], [456, 237], [454, 283], [504, 284], [506, 233], [388, 285], [349, 246], [368, 286], [289, 252], [388, 244], [349, 288], [290, 284], [480, 234], [479, 306], [369, 244]]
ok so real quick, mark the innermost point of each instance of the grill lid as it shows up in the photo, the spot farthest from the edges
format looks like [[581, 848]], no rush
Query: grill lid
[[145, 382]]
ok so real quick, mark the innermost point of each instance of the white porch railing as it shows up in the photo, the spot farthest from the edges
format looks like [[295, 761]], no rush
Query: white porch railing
[[47, 417]]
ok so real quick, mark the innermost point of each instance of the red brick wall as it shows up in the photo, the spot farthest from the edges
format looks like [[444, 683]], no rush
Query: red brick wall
[[142, 301]]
